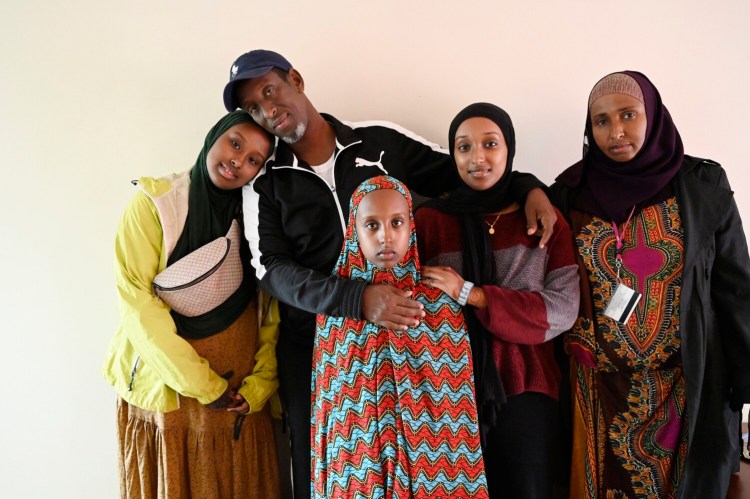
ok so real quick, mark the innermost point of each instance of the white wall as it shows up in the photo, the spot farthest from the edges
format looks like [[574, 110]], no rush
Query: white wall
[[95, 93]]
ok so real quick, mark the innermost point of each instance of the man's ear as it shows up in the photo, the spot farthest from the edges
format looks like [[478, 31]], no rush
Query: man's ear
[[295, 80]]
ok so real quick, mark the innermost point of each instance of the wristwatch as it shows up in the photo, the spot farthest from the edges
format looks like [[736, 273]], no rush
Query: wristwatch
[[463, 296]]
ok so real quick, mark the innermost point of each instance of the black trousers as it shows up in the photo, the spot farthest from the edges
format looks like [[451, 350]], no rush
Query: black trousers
[[295, 377], [522, 453]]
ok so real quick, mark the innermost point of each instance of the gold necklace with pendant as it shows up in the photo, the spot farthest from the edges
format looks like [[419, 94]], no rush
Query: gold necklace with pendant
[[507, 209], [492, 225]]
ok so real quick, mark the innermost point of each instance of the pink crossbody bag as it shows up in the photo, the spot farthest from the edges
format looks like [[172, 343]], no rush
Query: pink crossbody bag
[[202, 280]]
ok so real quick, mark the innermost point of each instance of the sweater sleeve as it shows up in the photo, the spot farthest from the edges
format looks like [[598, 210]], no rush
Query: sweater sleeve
[[277, 271], [263, 382], [532, 317], [145, 318]]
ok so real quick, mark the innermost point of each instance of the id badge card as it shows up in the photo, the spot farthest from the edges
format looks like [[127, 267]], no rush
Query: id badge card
[[622, 304]]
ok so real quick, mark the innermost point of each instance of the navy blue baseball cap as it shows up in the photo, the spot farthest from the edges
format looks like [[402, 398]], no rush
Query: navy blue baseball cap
[[251, 65]]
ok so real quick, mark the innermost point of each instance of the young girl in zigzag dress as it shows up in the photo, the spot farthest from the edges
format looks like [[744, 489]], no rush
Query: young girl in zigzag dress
[[394, 413]]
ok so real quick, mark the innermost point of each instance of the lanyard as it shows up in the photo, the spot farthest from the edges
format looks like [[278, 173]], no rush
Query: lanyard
[[619, 245]]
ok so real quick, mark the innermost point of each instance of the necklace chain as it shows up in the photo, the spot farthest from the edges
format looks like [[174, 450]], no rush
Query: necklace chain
[[492, 225]]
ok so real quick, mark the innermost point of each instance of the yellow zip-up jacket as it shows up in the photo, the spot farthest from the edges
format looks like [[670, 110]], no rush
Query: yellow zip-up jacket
[[148, 362]]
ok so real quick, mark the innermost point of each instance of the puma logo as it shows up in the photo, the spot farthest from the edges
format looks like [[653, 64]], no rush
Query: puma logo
[[358, 162]]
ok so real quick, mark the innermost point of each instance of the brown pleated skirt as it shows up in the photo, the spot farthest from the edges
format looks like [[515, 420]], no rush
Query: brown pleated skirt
[[196, 452]]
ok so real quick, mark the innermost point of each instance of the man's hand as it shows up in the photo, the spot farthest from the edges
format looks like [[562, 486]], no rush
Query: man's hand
[[390, 307], [538, 208]]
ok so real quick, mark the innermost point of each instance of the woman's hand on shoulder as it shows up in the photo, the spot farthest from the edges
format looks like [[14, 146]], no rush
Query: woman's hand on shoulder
[[444, 278], [450, 282], [538, 209]]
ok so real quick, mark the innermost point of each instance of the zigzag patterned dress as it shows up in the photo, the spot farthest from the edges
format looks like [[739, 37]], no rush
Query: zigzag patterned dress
[[394, 413]]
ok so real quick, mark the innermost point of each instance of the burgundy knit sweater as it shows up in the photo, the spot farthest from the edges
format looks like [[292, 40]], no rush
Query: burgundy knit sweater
[[535, 297]]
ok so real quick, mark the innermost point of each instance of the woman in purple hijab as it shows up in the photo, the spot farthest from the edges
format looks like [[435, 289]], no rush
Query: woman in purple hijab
[[661, 348]]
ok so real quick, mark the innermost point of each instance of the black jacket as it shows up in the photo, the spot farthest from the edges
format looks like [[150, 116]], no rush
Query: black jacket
[[714, 323], [295, 223]]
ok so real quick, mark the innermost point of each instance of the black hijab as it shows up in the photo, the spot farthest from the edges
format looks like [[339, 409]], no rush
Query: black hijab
[[608, 189], [478, 258], [210, 214], [464, 199]]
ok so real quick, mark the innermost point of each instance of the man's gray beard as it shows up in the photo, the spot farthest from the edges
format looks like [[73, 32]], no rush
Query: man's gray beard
[[298, 133]]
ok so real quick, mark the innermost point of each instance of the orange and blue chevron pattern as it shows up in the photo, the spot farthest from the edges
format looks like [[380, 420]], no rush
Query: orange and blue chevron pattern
[[393, 412]]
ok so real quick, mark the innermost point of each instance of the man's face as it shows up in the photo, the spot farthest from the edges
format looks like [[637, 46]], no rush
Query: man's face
[[277, 102]]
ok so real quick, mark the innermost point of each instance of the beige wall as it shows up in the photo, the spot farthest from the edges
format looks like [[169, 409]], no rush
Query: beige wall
[[95, 93]]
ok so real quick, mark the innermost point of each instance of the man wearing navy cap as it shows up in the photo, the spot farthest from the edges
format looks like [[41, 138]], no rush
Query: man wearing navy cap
[[296, 212]]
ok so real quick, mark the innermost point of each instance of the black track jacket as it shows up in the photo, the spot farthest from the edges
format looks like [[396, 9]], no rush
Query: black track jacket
[[295, 222]]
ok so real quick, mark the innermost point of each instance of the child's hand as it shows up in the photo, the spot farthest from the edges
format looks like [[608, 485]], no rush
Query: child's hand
[[444, 278], [390, 307], [225, 400], [240, 404]]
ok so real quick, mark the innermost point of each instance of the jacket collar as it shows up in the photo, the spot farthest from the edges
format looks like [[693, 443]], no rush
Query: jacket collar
[[283, 155], [170, 197], [345, 135]]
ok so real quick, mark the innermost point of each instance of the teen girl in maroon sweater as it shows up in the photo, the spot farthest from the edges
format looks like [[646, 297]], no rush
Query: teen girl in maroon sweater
[[517, 298]]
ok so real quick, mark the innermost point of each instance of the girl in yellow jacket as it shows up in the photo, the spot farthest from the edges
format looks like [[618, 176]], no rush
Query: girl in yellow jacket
[[193, 378]]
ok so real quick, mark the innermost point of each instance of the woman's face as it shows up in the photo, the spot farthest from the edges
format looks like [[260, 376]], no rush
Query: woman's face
[[237, 156], [383, 227], [618, 123], [480, 152]]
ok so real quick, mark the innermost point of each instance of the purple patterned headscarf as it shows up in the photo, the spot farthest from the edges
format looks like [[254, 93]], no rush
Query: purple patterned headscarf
[[608, 189]]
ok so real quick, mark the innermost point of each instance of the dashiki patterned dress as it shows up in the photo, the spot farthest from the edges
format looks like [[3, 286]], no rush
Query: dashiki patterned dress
[[394, 413], [630, 428]]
